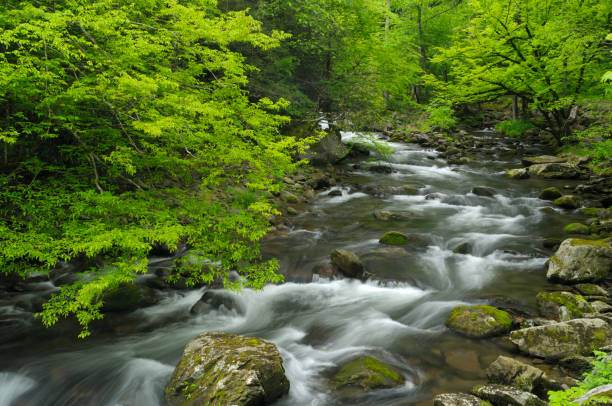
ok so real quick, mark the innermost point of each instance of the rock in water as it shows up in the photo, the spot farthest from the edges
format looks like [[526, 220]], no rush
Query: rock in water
[[483, 191], [517, 173], [569, 202], [399, 238], [562, 306], [220, 369], [542, 159], [500, 395], [554, 171], [580, 261], [558, 340], [458, 399], [479, 321], [348, 263], [368, 374], [213, 300], [508, 371], [550, 193]]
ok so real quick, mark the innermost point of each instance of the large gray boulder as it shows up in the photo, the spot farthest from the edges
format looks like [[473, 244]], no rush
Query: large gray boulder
[[558, 340], [458, 399], [562, 306], [554, 171], [579, 261], [328, 150], [508, 371], [501, 395], [220, 369], [348, 263]]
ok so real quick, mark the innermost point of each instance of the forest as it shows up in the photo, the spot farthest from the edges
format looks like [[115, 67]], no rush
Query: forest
[[132, 130]]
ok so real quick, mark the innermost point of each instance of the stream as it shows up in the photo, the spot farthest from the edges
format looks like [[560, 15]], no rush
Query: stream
[[318, 324]]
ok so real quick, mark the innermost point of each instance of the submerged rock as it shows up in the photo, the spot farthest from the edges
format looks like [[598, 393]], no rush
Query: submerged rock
[[214, 300], [569, 202], [465, 248], [558, 340], [580, 261], [227, 369], [458, 399], [386, 215], [479, 321], [348, 263], [501, 395], [399, 238], [368, 373], [550, 193], [483, 191], [562, 306], [508, 371]]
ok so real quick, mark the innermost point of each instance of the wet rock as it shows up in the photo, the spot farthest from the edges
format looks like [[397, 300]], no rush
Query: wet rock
[[433, 196], [458, 399], [554, 171], [289, 197], [328, 150], [558, 340], [129, 297], [357, 150], [508, 371], [550, 193], [465, 248], [327, 271], [542, 159], [601, 307], [385, 169], [399, 238], [335, 192], [562, 306], [348, 263], [479, 321], [576, 228], [214, 300], [368, 373], [292, 211], [389, 252], [569, 202], [386, 215], [580, 261], [517, 173], [227, 369], [552, 242], [593, 394], [501, 395], [576, 365], [409, 189], [483, 191], [590, 289]]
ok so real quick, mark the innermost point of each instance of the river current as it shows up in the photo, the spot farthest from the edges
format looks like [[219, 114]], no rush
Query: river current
[[318, 324]]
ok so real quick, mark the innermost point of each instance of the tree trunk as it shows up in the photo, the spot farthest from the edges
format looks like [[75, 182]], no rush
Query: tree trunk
[[514, 107]]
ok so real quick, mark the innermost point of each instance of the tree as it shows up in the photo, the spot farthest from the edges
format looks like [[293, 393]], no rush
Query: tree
[[124, 126], [546, 53]]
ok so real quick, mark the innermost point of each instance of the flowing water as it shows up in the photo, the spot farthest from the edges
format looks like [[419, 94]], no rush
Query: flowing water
[[318, 324]]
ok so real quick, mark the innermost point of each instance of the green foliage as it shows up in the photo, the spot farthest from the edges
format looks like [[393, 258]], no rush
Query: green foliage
[[601, 374], [440, 117], [514, 128], [126, 125]]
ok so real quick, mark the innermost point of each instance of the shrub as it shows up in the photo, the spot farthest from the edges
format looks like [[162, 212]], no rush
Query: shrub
[[514, 128]]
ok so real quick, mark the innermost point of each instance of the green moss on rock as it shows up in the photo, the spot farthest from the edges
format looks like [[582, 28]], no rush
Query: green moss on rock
[[399, 238], [576, 228], [550, 304], [368, 373], [568, 202], [479, 321]]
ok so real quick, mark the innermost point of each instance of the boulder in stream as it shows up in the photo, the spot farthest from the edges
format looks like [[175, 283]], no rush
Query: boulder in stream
[[579, 261], [399, 238], [550, 193], [501, 395], [479, 321], [368, 373], [521, 173], [458, 399], [558, 340], [542, 159], [554, 171], [348, 263], [483, 191], [562, 306], [576, 228], [226, 369], [569, 202], [508, 371], [214, 300]]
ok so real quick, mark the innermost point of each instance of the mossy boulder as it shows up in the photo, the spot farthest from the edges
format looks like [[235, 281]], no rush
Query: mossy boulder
[[576, 228], [368, 373], [590, 289], [554, 171], [508, 371], [458, 399], [219, 369], [550, 193], [562, 305], [558, 340], [399, 238], [521, 173], [502, 395], [569, 202], [579, 261], [348, 263], [479, 321]]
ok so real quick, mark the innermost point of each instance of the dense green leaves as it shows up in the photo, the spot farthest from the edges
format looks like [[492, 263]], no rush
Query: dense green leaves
[[127, 125]]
